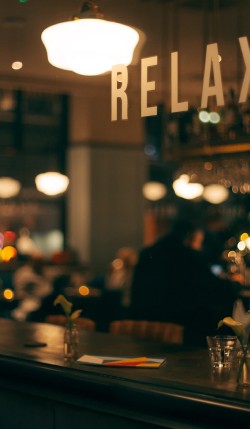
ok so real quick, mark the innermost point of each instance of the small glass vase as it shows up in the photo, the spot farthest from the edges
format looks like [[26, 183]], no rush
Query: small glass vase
[[243, 375], [71, 341]]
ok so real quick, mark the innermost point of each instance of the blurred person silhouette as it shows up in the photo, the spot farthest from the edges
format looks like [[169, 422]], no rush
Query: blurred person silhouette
[[120, 274], [173, 282], [115, 300], [216, 235], [30, 287]]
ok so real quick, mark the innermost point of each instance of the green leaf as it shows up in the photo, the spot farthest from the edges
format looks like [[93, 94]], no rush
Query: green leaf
[[220, 324], [66, 305], [237, 327], [75, 314]]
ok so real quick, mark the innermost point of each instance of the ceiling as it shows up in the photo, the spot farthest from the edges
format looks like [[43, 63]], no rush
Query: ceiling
[[21, 24]]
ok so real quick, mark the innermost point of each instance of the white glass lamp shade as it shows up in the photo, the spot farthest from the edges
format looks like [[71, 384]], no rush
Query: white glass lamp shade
[[154, 191], [215, 194], [89, 46], [52, 183], [186, 190], [9, 187]]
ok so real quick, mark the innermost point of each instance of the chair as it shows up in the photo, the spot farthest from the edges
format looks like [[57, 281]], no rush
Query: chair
[[81, 322], [166, 332]]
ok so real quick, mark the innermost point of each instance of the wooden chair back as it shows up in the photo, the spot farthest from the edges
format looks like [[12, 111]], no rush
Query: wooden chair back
[[170, 333]]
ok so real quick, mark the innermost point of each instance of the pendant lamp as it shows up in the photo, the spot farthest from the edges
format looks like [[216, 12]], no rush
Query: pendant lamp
[[88, 44], [154, 191], [51, 183], [215, 193], [186, 190], [9, 187]]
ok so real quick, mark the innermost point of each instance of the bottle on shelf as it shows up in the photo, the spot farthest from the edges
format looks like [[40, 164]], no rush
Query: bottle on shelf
[[246, 118], [232, 118]]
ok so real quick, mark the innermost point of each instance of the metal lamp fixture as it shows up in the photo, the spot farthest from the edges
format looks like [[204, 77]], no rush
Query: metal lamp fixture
[[89, 45], [51, 183]]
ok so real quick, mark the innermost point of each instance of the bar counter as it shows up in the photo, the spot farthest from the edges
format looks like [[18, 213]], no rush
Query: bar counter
[[39, 390]]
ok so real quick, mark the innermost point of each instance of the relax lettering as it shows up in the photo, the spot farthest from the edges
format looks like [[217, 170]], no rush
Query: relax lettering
[[212, 69]]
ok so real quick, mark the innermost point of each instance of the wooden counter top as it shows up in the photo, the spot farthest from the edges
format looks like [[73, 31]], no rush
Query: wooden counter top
[[180, 394]]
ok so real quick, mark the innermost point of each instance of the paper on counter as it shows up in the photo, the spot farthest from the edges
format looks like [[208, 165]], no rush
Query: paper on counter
[[115, 361]]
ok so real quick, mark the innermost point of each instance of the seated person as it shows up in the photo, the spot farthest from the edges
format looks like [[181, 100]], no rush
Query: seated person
[[173, 283], [30, 288]]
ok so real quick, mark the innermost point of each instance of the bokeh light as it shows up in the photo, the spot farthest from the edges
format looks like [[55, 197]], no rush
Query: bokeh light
[[214, 117], [84, 290], [184, 189], [9, 236], [215, 193], [17, 65], [8, 253], [241, 245], [244, 236], [117, 264], [8, 294], [154, 191], [204, 116]]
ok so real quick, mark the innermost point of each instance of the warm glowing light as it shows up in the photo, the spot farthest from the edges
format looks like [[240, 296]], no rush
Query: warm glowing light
[[248, 243], [17, 65], [246, 187], [244, 236], [9, 236], [8, 253], [241, 245], [208, 166], [117, 264], [8, 294], [25, 244], [204, 116], [214, 117], [89, 45], [184, 189], [232, 254], [84, 290], [51, 183], [215, 194], [9, 187], [235, 189], [154, 191]]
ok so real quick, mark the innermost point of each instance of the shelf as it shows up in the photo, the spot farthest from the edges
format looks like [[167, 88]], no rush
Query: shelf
[[182, 152]]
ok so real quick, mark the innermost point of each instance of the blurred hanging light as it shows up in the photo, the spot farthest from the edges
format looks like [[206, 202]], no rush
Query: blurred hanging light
[[215, 194], [51, 183], [184, 189], [89, 45], [154, 191], [9, 187], [17, 65]]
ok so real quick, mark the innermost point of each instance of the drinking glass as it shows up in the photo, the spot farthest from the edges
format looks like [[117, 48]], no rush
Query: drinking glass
[[222, 351]]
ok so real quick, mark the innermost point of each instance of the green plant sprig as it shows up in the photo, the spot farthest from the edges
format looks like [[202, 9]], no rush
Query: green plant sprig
[[67, 308], [239, 329]]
